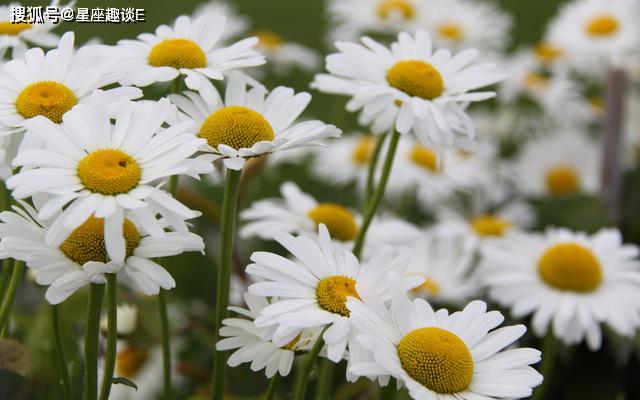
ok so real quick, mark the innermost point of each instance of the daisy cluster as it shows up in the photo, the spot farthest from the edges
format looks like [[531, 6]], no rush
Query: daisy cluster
[[477, 208]]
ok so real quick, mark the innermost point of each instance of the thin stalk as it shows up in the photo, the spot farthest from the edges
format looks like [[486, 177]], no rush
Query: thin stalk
[[10, 293], [373, 204], [5, 204], [60, 353], [112, 335], [166, 343], [310, 360], [176, 85], [325, 379], [227, 233], [373, 164], [549, 352], [96, 292], [273, 387]]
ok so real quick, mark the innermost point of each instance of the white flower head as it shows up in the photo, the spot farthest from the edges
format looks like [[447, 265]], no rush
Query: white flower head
[[70, 262], [127, 319], [345, 160], [254, 344], [313, 287], [570, 281], [91, 166], [190, 48], [18, 36], [429, 88], [251, 122], [235, 24], [437, 355], [283, 55]]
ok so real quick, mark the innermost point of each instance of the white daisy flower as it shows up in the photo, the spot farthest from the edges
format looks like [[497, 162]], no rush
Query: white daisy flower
[[313, 288], [559, 164], [250, 122], [282, 56], [463, 24], [51, 84], [597, 33], [93, 166], [300, 213], [189, 48], [431, 175], [446, 264], [253, 344], [18, 36], [66, 263], [440, 356], [9, 148], [572, 281], [345, 160], [353, 18], [431, 87], [235, 24]]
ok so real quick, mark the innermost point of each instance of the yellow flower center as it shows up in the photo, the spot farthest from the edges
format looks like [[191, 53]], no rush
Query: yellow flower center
[[547, 53], [237, 127], [404, 8], [603, 25], [562, 180], [47, 98], [11, 29], [269, 40], [338, 220], [425, 158], [429, 287], [490, 225], [363, 150], [86, 242], [451, 31], [109, 171], [416, 78], [332, 293], [535, 80], [177, 53], [436, 358], [570, 266], [130, 361]]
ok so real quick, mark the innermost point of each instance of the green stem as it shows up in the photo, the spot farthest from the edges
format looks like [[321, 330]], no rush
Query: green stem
[[176, 85], [60, 353], [112, 335], [10, 293], [373, 204], [273, 387], [5, 275], [549, 351], [166, 343], [325, 380], [96, 292], [373, 164], [303, 378], [227, 233]]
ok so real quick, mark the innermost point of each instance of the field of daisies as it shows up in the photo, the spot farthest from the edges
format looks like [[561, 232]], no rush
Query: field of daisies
[[322, 199]]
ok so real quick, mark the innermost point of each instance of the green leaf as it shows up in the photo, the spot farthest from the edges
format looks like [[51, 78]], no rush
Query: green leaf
[[124, 381]]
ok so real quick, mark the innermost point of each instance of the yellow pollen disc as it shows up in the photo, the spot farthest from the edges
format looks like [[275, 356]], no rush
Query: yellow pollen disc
[[8, 28], [292, 344], [86, 242], [425, 158], [363, 150], [130, 361], [437, 359], [570, 266], [562, 180], [404, 8], [109, 171], [237, 127], [490, 225], [339, 221], [451, 31], [177, 53], [535, 80], [547, 53], [430, 287], [47, 98], [603, 25], [416, 78], [332, 293], [269, 40]]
